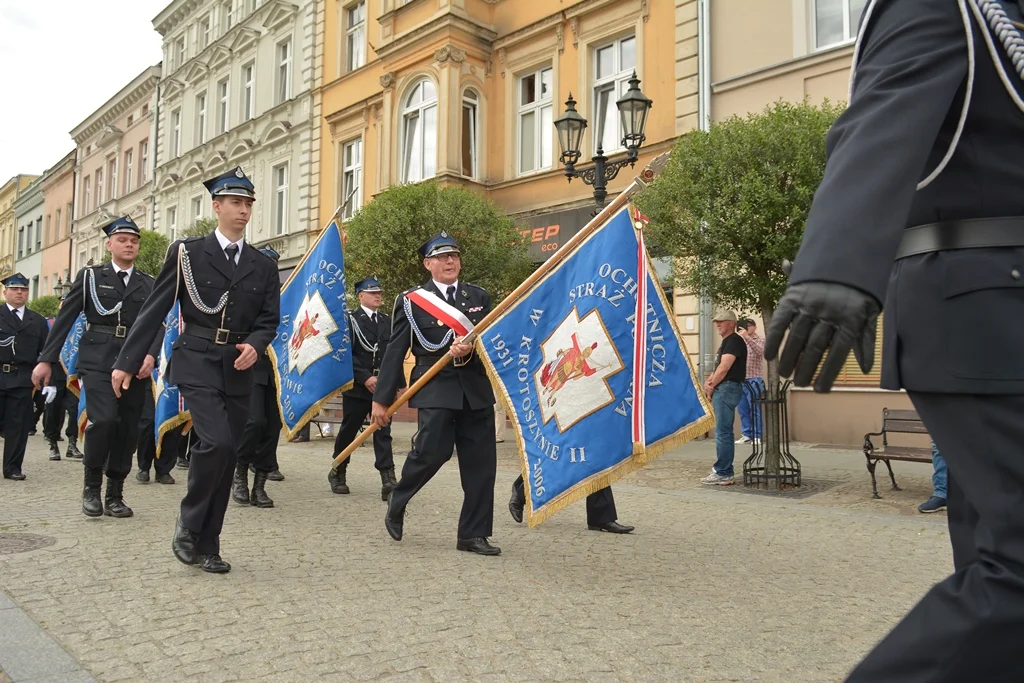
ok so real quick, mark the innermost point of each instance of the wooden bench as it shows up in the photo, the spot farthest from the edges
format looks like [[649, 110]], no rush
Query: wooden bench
[[330, 413], [895, 422]]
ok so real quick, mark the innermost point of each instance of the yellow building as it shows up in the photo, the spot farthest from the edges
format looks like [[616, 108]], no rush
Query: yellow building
[[10, 192]]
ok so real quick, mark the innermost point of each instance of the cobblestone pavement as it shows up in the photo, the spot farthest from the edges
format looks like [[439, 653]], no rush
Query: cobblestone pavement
[[715, 585]]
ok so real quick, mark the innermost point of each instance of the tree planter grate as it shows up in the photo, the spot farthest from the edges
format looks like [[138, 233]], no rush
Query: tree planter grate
[[756, 470]]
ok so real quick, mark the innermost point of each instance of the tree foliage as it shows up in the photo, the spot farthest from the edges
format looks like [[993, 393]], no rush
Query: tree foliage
[[45, 306], [201, 228], [152, 252], [382, 238]]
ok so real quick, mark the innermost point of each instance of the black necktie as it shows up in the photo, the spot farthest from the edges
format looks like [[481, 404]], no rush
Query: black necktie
[[373, 317], [451, 294], [17, 313], [124, 277], [231, 250]]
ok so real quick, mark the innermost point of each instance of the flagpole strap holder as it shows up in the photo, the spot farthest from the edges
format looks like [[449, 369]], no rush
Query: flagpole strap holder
[[756, 473]]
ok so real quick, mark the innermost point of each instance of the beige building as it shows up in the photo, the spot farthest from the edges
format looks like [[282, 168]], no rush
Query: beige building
[[9, 194], [58, 185], [114, 169]]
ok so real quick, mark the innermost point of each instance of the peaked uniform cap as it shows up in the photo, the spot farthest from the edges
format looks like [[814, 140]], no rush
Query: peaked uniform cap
[[232, 183], [119, 225], [370, 284], [15, 281], [270, 252], [441, 243]]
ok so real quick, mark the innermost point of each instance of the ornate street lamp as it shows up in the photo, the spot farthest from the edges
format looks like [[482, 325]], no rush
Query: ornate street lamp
[[633, 108]]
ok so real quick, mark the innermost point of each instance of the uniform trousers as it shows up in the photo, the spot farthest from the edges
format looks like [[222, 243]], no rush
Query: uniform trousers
[[146, 455], [64, 404], [968, 627], [16, 416], [112, 434], [354, 411], [472, 433], [262, 430], [38, 407], [600, 504], [219, 424]]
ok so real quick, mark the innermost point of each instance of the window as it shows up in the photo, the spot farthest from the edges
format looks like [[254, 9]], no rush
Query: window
[[131, 117], [355, 36], [248, 91], [112, 178], [419, 133], [46, 285], [179, 52], [204, 31], [252, 4], [94, 254], [197, 209], [143, 161], [613, 66], [223, 106], [172, 223], [469, 128], [227, 13], [57, 226], [46, 235], [129, 170], [21, 241], [284, 71], [280, 176], [35, 286], [351, 175], [39, 233], [200, 136], [86, 195], [99, 188], [835, 21], [535, 124], [175, 141], [145, 109]]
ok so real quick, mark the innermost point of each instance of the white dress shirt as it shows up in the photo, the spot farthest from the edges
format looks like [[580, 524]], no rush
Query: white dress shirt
[[443, 288], [225, 243], [368, 312], [19, 313]]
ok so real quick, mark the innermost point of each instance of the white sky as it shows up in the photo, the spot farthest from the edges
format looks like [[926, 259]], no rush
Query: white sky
[[59, 62]]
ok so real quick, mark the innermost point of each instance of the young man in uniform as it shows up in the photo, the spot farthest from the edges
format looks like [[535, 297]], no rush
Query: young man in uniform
[[456, 407], [921, 208], [371, 332], [230, 301], [111, 295], [23, 333]]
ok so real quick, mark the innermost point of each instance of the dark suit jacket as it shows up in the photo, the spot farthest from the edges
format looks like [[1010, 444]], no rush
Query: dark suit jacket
[[252, 308], [364, 362], [27, 336], [98, 350], [953, 319], [454, 386]]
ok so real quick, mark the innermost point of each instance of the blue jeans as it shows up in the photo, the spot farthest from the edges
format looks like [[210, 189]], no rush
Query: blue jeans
[[726, 398], [938, 473], [751, 429]]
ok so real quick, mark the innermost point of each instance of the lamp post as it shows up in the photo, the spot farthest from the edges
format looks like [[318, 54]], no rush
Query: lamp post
[[62, 288], [633, 109]]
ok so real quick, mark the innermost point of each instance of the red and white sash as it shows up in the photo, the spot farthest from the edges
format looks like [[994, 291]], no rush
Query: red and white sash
[[442, 310]]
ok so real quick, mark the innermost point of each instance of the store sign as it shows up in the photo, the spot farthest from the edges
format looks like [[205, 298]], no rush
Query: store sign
[[546, 233]]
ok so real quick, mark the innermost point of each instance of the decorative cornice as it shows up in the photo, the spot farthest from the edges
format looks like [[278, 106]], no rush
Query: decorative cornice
[[141, 87], [278, 12], [403, 44], [456, 54], [536, 27]]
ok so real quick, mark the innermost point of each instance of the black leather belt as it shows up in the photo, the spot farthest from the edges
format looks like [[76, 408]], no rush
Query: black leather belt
[[971, 233], [119, 331], [428, 360], [217, 336], [9, 367]]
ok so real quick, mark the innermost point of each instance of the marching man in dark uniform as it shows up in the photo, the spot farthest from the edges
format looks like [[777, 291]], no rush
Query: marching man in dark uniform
[[371, 332], [64, 404], [456, 408], [262, 432], [230, 301], [921, 208], [22, 336], [111, 295], [601, 514], [146, 454]]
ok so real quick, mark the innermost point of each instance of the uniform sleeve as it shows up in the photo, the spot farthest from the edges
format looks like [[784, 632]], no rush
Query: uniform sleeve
[[392, 367], [65, 320], [158, 342], [913, 62], [264, 329], [151, 317]]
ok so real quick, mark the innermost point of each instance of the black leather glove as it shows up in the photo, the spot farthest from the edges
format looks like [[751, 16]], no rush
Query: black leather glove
[[820, 316]]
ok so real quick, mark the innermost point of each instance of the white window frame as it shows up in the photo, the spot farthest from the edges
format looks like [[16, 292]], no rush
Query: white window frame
[[352, 176], [223, 106], [249, 90], [279, 178], [204, 30], [86, 194], [112, 178], [172, 223], [470, 100], [420, 112], [129, 169], [144, 161], [355, 36], [175, 141], [542, 127], [202, 102], [619, 80], [99, 187], [197, 209], [849, 25], [227, 15], [180, 51], [283, 91]]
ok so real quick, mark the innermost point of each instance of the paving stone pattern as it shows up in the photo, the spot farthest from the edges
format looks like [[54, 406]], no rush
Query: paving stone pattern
[[715, 585]]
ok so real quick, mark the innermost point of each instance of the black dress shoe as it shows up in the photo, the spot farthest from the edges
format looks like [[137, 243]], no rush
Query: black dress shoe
[[182, 464], [516, 506], [142, 477], [164, 479], [213, 564], [480, 546], [393, 521], [611, 527], [16, 476], [183, 545]]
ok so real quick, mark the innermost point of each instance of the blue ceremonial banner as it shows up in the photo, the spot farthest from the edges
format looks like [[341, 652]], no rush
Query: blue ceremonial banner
[[69, 361], [171, 411], [567, 355], [312, 352]]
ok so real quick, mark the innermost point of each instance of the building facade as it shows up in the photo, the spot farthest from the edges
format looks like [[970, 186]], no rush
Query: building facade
[[237, 91], [9, 194], [28, 217], [58, 185], [114, 169]]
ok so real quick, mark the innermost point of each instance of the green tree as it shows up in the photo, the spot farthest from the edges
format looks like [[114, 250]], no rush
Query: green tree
[[382, 238], [152, 252], [45, 306], [201, 228], [732, 204]]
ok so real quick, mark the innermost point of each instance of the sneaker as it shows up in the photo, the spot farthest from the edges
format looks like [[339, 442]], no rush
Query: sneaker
[[933, 504], [716, 479], [743, 439]]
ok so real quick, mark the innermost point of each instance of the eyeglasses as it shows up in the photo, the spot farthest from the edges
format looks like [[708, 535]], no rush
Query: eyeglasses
[[450, 255]]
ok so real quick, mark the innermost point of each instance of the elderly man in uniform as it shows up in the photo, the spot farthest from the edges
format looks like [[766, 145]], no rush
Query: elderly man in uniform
[[921, 208], [63, 405], [23, 333], [455, 408], [230, 301], [371, 332], [111, 295]]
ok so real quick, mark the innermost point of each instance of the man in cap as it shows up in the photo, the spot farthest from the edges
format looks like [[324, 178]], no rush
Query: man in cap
[[258, 449], [920, 208], [456, 407], [64, 404], [230, 301], [111, 295], [725, 387], [23, 333], [371, 332]]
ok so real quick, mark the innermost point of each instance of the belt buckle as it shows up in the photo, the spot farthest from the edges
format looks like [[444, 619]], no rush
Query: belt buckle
[[376, 372], [217, 338], [7, 367], [120, 332]]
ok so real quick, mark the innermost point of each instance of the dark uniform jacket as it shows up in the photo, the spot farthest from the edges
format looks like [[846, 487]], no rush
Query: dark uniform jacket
[[21, 342], [365, 362], [252, 309], [97, 349], [953, 319], [453, 387]]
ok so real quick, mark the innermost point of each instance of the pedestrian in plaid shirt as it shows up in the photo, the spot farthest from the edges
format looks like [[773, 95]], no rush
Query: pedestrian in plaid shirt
[[750, 417]]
